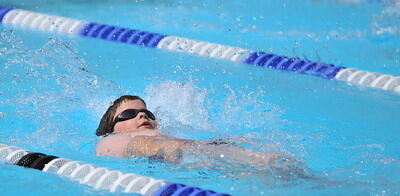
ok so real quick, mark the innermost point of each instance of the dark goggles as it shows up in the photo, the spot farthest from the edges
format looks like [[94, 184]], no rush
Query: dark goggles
[[132, 113]]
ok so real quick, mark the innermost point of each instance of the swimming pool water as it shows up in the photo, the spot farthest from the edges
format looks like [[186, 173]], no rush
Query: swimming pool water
[[54, 88]]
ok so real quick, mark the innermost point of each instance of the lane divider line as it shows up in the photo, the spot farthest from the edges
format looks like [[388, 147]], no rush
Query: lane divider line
[[96, 176], [44, 22]]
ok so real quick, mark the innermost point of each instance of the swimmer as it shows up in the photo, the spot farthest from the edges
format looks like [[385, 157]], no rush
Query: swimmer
[[130, 130]]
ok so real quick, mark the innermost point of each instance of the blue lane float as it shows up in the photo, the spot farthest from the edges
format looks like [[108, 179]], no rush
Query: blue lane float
[[263, 59], [98, 177], [3, 11], [123, 35], [44, 22]]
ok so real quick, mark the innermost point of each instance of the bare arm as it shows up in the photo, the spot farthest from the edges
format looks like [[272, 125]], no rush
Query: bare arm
[[117, 144], [155, 145], [161, 147], [113, 145], [170, 149]]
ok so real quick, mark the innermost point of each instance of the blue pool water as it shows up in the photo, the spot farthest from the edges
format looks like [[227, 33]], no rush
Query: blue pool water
[[54, 88]]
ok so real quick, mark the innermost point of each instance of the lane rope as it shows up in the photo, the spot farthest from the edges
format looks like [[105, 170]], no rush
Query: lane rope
[[50, 23], [96, 176]]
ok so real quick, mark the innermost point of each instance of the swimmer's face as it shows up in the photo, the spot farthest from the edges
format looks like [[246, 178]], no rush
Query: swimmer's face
[[140, 122]]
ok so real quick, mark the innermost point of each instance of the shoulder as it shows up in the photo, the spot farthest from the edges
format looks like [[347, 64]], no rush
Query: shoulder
[[113, 145]]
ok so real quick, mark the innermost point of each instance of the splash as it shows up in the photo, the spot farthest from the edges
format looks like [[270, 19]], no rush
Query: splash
[[387, 22], [178, 105], [244, 110], [183, 106], [51, 88]]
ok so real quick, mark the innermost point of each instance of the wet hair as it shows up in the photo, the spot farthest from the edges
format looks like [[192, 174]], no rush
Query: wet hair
[[107, 121]]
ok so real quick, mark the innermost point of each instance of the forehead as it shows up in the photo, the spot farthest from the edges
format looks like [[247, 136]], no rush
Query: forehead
[[130, 104]]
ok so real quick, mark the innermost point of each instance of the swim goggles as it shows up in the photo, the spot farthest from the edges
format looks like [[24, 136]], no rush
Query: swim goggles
[[132, 113]]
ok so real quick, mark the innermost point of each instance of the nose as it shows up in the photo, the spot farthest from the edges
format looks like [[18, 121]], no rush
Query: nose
[[143, 115]]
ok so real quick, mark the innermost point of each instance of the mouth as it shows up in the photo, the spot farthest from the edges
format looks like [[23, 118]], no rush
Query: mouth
[[146, 124]]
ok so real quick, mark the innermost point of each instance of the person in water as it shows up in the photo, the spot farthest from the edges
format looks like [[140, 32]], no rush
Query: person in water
[[130, 130]]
